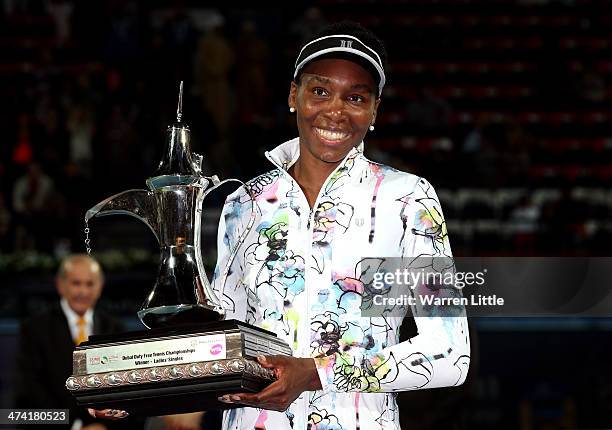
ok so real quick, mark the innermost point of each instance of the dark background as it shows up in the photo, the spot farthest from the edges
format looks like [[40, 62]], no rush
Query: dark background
[[503, 105]]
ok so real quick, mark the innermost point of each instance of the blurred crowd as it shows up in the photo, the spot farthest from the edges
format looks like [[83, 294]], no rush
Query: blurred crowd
[[92, 86], [521, 159]]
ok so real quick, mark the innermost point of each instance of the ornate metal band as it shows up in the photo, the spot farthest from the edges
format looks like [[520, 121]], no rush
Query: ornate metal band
[[168, 373]]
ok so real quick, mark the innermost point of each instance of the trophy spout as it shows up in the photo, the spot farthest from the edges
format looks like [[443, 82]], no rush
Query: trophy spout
[[137, 203]]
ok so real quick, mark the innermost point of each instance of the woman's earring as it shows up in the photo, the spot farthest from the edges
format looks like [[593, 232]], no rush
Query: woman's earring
[[372, 128], [292, 109]]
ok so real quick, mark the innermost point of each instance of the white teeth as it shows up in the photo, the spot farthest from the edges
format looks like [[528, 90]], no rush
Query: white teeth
[[331, 135]]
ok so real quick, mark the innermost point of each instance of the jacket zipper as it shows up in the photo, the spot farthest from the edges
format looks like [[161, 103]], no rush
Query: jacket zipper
[[304, 341]]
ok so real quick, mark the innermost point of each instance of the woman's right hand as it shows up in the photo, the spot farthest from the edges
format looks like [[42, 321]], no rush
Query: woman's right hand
[[107, 414]]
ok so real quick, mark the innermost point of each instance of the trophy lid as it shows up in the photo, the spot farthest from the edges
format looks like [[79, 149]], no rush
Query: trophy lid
[[178, 165]]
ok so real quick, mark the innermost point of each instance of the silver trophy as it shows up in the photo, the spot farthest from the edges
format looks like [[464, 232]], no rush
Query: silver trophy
[[189, 356]]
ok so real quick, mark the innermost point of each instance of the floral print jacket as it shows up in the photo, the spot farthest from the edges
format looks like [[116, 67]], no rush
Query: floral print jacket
[[298, 274]]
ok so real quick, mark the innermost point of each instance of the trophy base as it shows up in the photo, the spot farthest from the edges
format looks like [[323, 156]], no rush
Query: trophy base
[[174, 399], [172, 370]]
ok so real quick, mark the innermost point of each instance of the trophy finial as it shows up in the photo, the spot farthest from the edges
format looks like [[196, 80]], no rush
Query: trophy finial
[[179, 108], [178, 164]]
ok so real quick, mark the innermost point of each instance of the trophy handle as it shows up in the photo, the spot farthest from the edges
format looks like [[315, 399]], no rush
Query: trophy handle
[[208, 291]]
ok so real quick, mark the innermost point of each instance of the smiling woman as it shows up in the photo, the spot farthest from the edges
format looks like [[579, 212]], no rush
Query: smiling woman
[[335, 103], [335, 94], [330, 208]]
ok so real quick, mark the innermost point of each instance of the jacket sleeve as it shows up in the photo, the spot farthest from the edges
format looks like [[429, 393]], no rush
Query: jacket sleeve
[[439, 355], [227, 280]]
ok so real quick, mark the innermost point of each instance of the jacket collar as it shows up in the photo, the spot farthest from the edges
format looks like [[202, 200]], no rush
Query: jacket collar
[[286, 154]]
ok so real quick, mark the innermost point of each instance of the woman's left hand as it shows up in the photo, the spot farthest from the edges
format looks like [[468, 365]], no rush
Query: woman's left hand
[[108, 414], [294, 376]]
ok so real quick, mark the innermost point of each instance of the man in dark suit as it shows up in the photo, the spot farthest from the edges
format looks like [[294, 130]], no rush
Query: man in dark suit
[[47, 341]]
